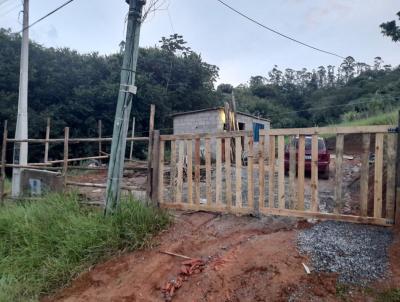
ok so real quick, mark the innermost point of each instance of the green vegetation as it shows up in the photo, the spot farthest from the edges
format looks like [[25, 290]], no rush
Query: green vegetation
[[43, 245], [392, 295], [389, 118]]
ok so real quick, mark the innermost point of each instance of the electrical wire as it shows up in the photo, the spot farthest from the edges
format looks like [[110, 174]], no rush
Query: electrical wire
[[278, 33], [45, 16]]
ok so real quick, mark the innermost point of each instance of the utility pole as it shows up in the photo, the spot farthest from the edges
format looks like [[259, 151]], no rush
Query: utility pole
[[126, 91], [21, 131]]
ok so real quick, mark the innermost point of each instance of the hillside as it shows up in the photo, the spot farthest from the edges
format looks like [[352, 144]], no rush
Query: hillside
[[78, 89]]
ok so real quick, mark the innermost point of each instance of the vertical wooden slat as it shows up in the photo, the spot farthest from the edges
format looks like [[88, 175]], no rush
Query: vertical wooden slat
[[238, 162], [281, 171], [250, 184], [66, 151], [189, 148], [179, 182], [150, 150], [218, 172], [99, 132], [132, 136], [366, 141], [391, 175], [46, 145], [261, 171], [314, 173], [228, 176], [338, 172], [271, 177], [173, 171], [378, 175], [208, 171], [3, 161], [155, 170], [300, 172], [161, 173], [197, 171], [292, 172]]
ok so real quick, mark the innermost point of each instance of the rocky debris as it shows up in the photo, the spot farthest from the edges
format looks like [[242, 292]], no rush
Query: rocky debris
[[188, 268], [357, 253]]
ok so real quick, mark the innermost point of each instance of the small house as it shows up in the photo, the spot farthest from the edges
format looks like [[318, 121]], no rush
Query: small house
[[212, 120]]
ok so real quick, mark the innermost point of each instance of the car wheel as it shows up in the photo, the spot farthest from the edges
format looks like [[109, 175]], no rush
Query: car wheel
[[325, 174]]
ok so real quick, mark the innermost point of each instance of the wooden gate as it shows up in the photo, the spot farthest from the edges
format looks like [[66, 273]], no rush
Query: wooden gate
[[249, 177]]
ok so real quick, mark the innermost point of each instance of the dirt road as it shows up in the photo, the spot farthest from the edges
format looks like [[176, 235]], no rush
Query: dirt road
[[246, 259]]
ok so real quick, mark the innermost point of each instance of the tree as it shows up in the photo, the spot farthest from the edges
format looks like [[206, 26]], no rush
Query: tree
[[348, 68], [391, 29]]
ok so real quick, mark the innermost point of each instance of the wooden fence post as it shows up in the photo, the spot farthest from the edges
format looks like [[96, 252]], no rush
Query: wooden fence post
[[156, 167], [46, 145], [150, 151], [66, 150], [132, 135], [99, 131], [397, 203], [3, 161]]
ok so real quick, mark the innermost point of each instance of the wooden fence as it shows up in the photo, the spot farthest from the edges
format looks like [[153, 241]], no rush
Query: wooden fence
[[204, 172]]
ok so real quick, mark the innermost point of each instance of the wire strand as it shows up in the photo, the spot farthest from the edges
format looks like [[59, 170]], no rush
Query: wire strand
[[278, 33], [45, 16]]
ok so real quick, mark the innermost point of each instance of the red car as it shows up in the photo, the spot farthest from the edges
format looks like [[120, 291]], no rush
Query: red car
[[323, 157]]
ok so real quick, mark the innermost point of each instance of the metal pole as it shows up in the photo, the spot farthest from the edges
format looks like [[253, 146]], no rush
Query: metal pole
[[46, 145], [124, 105], [21, 131]]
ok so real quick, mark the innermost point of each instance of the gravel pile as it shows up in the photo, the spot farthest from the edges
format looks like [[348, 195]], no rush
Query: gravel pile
[[358, 253]]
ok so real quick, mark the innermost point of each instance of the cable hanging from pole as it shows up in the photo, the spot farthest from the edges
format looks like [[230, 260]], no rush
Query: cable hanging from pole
[[278, 33]]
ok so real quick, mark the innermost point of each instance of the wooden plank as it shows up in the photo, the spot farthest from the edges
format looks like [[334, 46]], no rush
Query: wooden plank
[[250, 184], [132, 136], [232, 134], [197, 171], [300, 172], [314, 173], [292, 173], [281, 171], [228, 175], [3, 161], [208, 171], [179, 180], [378, 175], [189, 148], [397, 199], [161, 173], [238, 163], [172, 176], [331, 130], [328, 216], [338, 172], [66, 151], [99, 132], [366, 140], [150, 151], [271, 177], [205, 207], [261, 171], [46, 145], [391, 175], [218, 172], [155, 177]]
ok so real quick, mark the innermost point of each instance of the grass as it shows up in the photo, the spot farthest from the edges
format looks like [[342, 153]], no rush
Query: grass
[[389, 118], [43, 245], [7, 186], [389, 296]]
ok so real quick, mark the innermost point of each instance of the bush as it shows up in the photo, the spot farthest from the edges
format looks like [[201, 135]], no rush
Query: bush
[[44, 244]]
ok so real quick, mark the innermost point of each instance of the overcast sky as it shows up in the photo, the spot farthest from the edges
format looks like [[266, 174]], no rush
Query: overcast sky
[[239, 48]]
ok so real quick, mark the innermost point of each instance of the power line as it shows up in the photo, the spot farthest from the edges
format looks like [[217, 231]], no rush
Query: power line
[[278, 33], [45, 16]]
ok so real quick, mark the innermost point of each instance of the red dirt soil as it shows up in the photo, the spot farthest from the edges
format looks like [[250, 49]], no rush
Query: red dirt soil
[[246, 259]]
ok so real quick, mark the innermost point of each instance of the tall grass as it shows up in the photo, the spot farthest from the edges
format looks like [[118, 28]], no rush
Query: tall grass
[[43, 245], [389, 118]]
